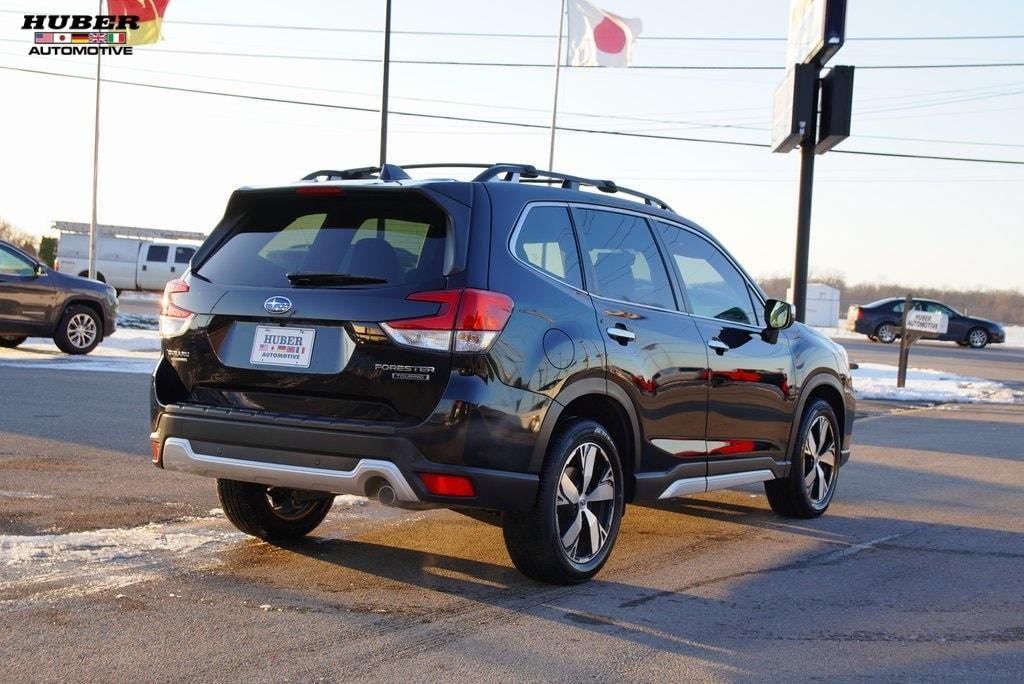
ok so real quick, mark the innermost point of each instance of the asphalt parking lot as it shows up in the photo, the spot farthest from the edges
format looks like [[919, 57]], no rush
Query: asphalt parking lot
[[112, 570]]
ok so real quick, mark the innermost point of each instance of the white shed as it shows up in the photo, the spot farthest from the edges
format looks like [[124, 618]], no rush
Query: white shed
[[822, 305]]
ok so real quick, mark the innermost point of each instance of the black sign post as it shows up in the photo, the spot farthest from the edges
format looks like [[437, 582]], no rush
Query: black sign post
[[816, 32]]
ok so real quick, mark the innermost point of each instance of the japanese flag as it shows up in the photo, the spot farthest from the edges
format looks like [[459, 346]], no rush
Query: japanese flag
[[599, 38]]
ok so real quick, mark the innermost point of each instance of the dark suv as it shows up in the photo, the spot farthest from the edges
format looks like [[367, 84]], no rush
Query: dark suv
[[37, 300], [511, 344]]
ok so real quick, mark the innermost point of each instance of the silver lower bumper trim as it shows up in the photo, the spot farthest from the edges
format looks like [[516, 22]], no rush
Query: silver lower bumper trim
[[178, 455], [698, 485]]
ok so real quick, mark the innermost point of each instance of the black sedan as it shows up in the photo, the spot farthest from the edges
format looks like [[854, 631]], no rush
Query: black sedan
[[880, 321], [36, 300]]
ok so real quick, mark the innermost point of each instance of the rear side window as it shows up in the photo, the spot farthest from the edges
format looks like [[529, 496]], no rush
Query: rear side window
[[397, 236], [623, 257], [157, 253], [545, 241]]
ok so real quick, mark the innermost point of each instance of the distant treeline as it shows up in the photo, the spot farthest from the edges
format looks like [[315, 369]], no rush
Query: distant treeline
[[1005, 306]]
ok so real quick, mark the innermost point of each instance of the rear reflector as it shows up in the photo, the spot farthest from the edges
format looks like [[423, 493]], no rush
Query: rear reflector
[[155, 446], [448, 485], [472, 318]]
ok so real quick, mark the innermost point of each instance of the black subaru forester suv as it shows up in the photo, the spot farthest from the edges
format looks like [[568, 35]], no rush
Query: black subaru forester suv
[[512, 344]]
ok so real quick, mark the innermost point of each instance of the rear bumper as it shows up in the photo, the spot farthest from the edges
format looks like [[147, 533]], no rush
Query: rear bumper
[[327, 460]]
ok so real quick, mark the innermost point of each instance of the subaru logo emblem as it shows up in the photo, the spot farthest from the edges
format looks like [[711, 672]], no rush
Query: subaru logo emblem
[[278, 305]]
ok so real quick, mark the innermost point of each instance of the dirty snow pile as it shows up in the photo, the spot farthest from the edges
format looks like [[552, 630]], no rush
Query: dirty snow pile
[[83, 562], [126, 351], [878, 381]]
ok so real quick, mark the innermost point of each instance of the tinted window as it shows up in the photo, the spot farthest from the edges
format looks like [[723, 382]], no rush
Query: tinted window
[[157, 253], [715, 288], [15, 264], [183, 255], [399, 237], [623, 257], [545, 241], [935, 307]]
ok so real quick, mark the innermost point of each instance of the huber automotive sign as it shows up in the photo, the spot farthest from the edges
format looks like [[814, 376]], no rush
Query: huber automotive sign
[[927, 322]]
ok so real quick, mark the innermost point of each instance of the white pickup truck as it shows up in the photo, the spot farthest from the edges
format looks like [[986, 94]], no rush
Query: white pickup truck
[[127, 262]]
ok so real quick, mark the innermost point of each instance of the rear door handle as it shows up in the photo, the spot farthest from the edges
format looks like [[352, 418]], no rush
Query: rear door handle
[[621, 334], [718, 345]]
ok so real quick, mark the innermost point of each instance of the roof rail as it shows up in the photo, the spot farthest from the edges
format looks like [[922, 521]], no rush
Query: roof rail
[[515, 173], [530, 174]]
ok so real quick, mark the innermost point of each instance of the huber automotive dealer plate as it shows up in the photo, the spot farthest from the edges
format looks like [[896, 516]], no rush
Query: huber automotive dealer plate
[[282, 346]]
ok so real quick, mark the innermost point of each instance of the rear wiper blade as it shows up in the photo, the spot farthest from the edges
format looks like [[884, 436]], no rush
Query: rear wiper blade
[[312, 279]]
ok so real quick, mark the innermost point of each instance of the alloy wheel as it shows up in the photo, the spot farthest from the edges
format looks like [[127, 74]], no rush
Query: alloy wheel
[[886, 333], [585, 503], [285, 506], [978, 338], [820, 451], [82, 330]]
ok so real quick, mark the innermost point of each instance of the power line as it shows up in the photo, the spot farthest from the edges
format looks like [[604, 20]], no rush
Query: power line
[[541, 65], [688, 124], [495, 122]]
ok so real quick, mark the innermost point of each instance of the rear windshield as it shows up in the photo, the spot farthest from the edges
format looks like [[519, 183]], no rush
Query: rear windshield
[[399, 237]]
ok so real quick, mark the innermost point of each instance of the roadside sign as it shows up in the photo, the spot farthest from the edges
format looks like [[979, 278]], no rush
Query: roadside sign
[[817, 29], [927, 322], [836, 108], [794, 107]]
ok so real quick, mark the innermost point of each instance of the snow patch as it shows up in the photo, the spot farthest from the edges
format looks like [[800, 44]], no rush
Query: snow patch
[[86, 562], [126, 351], [878, 381]]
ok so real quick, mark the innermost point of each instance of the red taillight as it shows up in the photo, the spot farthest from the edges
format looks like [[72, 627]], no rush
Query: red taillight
[[444, 319], [474, 318], [857, 313], [448, 485], [155, 446], [483, 311], [167, 306], [173, 318], [319, 190]]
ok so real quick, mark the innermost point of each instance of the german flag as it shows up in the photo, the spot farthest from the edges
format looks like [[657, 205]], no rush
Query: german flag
[[150, 14]]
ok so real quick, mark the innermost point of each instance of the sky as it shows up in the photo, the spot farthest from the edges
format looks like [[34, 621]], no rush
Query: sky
[[170, 159]]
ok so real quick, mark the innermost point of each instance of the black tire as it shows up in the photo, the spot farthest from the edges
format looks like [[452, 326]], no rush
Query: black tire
[[792, 496], [887, 332], [11, 341], [977, 338], [534, 538], [272, 513], [872, 338], [79, 330]]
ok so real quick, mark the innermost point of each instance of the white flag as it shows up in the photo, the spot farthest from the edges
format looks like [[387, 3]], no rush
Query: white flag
[[599, 38]]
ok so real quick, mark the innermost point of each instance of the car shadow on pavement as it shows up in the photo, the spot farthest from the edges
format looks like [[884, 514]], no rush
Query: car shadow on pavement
[[498, 593]]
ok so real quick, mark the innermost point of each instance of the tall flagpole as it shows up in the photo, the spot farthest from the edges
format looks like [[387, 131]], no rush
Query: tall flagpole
[[554, 105], [384, 90], [95, 163]]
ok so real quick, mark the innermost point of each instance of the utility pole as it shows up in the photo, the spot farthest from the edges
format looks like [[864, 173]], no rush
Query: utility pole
[[384, 90], [95, 163]]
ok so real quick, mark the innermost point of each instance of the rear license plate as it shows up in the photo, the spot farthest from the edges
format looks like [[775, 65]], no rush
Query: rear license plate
[[274, 346]]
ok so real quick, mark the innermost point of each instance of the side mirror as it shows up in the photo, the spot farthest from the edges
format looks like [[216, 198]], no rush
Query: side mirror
[[40, 270], [778, 314]]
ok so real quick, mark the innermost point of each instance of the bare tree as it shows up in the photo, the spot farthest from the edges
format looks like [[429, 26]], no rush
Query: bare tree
[[17, 237]]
